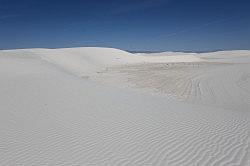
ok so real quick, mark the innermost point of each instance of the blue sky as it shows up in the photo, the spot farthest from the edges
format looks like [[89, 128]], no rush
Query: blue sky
[[140, 25]]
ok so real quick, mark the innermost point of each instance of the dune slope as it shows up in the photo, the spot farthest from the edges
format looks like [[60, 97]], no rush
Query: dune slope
[[221, 80], [90, 60], [49, 116]]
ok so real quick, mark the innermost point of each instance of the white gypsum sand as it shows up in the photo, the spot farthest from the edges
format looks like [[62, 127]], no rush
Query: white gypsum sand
[[50, 114], [223, 85], [219, 79]]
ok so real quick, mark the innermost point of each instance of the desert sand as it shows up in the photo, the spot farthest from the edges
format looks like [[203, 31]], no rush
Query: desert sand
[[104, 106]]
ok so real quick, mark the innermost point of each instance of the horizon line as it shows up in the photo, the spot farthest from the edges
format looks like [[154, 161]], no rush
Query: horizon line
[[131, 51]]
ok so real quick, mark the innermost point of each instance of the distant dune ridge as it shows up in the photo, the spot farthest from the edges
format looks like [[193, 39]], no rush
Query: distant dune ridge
[[88, 60], [104, 106]]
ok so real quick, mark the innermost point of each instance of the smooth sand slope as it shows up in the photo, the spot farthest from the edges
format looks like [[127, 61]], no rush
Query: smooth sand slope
[[66, 107]]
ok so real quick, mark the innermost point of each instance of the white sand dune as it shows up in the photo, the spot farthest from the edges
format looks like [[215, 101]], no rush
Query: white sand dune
[[49, 115], [213, 84], [89, 60], [221, 80], [238, 56]]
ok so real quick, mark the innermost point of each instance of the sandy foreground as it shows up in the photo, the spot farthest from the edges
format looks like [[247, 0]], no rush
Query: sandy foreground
[[103, 106]]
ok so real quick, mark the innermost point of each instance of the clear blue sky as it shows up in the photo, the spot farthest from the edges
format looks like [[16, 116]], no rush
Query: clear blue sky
[[146, 25]]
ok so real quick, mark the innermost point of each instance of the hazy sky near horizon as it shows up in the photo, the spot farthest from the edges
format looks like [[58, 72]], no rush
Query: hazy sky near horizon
[[145, 25]]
